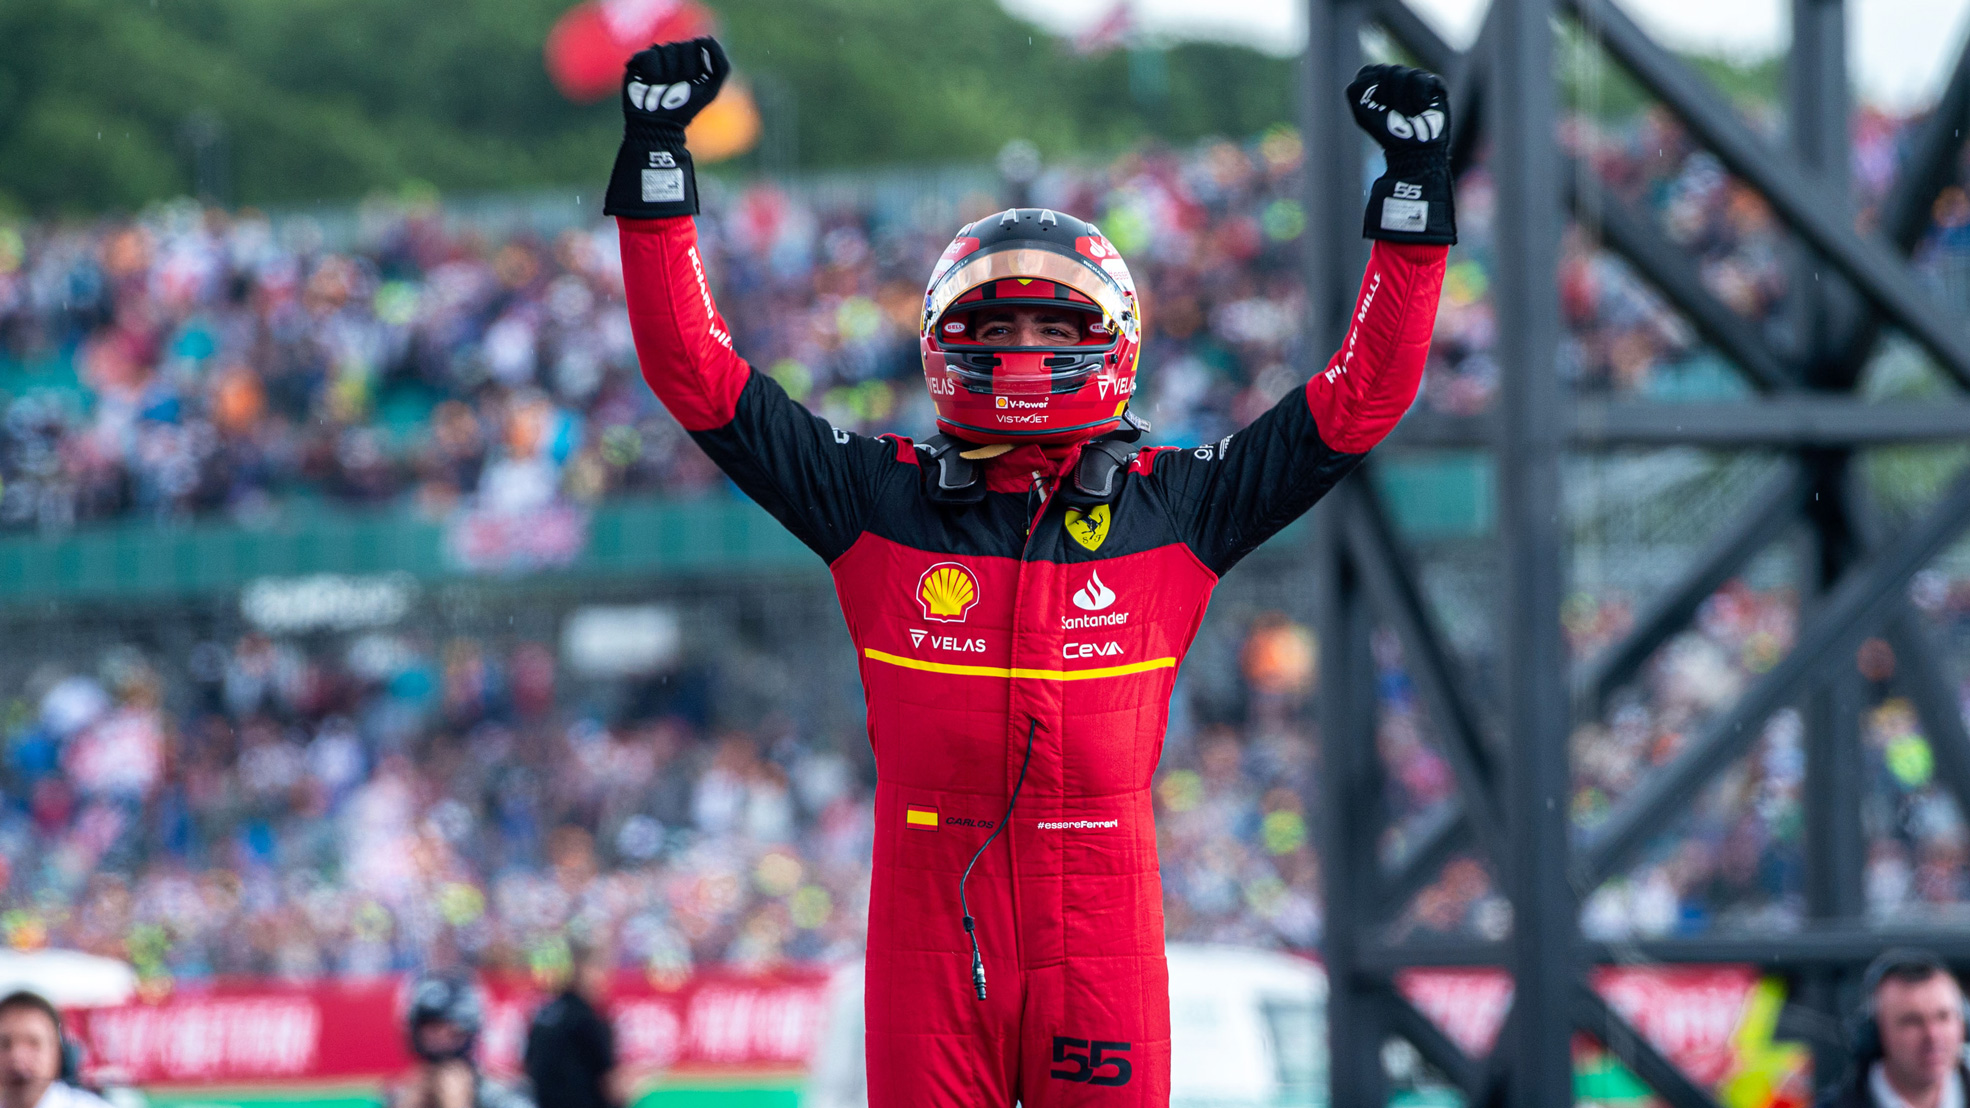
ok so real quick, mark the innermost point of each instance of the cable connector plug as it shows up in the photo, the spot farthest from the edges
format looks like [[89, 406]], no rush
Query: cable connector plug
[[964, 906], [977, 960]]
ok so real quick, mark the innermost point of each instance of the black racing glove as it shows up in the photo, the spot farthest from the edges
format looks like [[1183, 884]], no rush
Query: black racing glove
[[662, 89], [1407, 112]]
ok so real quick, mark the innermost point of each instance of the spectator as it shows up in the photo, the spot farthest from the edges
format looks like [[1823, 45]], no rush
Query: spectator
[[36, 1070], [1908, 1048], [571, 1050], [443, 1024]]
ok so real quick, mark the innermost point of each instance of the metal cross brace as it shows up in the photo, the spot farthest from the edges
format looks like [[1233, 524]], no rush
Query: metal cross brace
[[1864, 596]]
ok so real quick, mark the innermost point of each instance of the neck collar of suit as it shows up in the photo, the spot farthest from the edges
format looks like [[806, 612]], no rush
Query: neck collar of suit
[[1028, 464]]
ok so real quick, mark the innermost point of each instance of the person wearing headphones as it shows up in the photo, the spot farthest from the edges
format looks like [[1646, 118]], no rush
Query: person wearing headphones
[[1907, 1041], [443, 1022], [37, 1067]]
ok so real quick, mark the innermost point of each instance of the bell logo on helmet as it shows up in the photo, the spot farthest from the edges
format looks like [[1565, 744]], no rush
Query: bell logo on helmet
[[947, 592], [1090, 529]]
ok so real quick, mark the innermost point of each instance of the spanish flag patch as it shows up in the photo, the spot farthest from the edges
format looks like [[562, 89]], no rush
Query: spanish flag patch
[[920, 819]]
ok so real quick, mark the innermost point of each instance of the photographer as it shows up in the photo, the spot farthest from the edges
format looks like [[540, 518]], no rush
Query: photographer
[[1907, 1041], [443, 1024]]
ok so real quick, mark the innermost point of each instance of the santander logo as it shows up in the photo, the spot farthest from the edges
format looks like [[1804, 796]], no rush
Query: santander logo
[[1095, 595]]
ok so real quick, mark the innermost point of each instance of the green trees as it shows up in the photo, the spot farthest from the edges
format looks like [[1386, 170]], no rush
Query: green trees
[[105, 104], [100, 100]]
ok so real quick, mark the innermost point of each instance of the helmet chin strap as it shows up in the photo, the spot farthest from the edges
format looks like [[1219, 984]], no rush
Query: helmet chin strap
[[990, 450]]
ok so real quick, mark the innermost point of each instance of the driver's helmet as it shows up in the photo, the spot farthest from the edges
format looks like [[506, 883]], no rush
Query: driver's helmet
[[1041, 258]]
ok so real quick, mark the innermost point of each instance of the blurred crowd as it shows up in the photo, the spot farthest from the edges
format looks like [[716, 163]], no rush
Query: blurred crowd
[[1737, 858], [193, 360], [1734, 859], [391, 803], [387, 802]]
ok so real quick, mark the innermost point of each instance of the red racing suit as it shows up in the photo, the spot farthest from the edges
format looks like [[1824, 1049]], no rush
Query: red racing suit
[[984, 628]]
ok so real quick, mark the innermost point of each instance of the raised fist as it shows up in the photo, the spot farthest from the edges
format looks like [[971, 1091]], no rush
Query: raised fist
[[1401, 108], [1407, 112], [663, 88], [671, 82]]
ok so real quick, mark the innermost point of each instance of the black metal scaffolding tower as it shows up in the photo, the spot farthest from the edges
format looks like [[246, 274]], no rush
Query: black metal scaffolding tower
[[1508, 749]]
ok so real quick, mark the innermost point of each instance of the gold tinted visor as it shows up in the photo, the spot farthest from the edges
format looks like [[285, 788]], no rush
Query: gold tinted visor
[[1035, 264]]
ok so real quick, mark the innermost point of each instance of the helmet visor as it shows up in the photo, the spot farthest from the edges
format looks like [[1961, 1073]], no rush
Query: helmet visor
[[996, 324], [1030, 262]]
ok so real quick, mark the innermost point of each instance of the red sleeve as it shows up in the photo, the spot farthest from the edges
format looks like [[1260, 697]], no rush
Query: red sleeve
[[684, 345], [1229, 496], [816, 479], [1371, 382]]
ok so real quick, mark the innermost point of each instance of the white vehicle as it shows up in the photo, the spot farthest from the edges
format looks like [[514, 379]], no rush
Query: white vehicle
[[68, 978], [1248, 1030]]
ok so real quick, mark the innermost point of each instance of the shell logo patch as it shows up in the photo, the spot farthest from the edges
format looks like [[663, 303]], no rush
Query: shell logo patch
[[918, 818], [1090, 529], [947, 591]]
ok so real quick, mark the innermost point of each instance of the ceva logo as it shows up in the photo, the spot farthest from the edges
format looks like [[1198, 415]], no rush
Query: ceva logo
[[1094, 596]]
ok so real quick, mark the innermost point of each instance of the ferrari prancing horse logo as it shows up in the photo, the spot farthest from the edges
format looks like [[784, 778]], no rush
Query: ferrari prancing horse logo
[[1089, 528]]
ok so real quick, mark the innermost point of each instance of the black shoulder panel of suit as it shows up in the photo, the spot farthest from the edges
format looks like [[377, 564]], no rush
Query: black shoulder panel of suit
[[819, 481], [994, 527], [1227, 497], [829, 486]]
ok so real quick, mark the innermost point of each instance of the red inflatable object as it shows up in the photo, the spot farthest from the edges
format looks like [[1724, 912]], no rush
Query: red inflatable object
[[588, 45]]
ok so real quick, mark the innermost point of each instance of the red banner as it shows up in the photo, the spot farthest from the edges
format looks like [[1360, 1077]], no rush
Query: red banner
[[716, 1020], [249, 1033], [1468, 1005], [1689, 1013]]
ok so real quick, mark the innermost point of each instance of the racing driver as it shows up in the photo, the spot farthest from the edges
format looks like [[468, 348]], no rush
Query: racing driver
[[1020, 587]]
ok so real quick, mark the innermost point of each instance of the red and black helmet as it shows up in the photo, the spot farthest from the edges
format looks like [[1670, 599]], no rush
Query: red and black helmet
[[1041, 258]]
